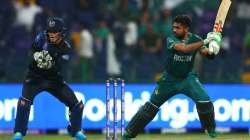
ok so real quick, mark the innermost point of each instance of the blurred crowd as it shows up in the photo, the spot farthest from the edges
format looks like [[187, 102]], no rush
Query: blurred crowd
[[123, 38]]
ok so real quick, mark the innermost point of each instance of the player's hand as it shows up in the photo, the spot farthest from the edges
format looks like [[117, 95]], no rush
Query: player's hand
[[212, 36], [38, 56], [43, 59], [214, 47], [215, 35], [215, 43]]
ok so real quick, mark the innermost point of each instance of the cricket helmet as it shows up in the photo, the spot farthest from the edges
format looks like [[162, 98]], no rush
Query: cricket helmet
[[56, 24]]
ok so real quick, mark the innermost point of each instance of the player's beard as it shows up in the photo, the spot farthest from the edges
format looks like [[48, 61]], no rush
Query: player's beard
[[180, 35]]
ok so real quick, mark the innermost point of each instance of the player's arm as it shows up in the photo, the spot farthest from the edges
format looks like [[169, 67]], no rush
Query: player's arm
[[199, 43], [66, 54], [211, 50], [41, 57], [65, 57], [35, 47], [173, 44], [185, 48]]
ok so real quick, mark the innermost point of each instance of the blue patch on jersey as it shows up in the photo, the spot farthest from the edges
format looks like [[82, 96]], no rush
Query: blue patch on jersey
[[67, 44], [45, 46], [65, 57], [41, 36], [40, 40]]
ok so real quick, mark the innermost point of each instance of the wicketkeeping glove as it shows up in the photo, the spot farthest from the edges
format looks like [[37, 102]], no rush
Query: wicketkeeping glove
[[43, 59]]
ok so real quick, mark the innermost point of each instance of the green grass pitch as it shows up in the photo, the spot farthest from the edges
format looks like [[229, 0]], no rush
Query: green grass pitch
[[140, 137]]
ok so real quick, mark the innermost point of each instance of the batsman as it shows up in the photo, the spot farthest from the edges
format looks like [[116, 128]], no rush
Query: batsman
[[179, 77], [49, 51]]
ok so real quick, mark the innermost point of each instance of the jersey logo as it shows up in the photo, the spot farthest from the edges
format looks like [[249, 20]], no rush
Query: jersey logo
[[52, 23], [180, 58], [156, 92], [170, 40]]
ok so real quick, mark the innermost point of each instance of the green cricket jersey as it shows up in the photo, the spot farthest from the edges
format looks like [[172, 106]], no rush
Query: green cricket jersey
[[179, 64]]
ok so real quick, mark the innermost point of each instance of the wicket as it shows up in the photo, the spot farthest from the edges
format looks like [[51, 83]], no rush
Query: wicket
[[115, 83]]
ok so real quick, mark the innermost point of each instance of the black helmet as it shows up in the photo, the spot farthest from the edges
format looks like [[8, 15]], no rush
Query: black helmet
[[55, 24]]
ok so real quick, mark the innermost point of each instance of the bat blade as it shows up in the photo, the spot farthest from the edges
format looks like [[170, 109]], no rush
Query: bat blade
[[221, 15]]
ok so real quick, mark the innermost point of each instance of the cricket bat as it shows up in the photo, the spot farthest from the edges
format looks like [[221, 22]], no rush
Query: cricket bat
[[221, 15]]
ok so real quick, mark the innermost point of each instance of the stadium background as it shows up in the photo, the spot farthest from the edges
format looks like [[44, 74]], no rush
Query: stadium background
[[108, 36]]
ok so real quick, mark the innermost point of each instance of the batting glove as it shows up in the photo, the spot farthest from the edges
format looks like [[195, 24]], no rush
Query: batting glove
[[212, 36], [214, 47]]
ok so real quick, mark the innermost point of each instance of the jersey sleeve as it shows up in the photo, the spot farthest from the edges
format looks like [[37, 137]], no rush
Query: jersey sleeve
[[37, 43], [197, 39], [68, 51]]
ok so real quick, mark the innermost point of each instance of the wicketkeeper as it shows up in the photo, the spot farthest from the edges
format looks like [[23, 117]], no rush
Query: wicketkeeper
[[49, 52]]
